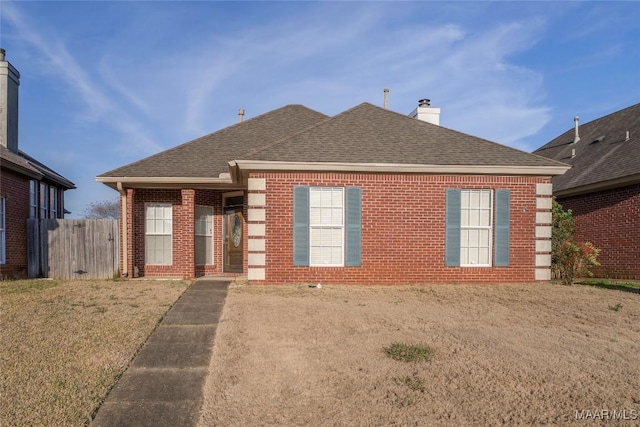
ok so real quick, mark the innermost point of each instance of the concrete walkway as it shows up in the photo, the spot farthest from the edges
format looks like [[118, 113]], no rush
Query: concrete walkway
[[163, 385]]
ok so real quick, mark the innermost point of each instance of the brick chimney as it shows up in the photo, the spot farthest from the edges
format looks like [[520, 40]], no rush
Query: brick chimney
[[9, 82], [426, 112]]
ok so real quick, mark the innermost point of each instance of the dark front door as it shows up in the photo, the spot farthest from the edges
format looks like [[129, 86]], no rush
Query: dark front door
[[233, 235]]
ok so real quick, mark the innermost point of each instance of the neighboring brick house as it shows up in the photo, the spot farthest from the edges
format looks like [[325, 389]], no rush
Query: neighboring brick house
[[603, 187], [366, 196], [28, 188]]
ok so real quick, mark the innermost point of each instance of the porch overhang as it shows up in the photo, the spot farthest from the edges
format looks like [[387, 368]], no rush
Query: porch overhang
[[224, 181]]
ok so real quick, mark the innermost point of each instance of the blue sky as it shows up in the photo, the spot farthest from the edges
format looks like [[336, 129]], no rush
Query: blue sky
[[104, 84]]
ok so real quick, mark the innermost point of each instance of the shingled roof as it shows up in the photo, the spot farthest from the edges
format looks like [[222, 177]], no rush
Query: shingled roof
[[370, 134], [603, 156], [364, 134], [209, 155], [26, 165]]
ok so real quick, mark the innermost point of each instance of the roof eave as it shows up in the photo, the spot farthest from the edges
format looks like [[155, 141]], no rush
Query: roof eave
[[400, 168], [599, 186], [167, 182]]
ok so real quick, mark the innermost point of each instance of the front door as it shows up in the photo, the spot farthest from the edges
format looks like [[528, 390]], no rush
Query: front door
[[233, 234]]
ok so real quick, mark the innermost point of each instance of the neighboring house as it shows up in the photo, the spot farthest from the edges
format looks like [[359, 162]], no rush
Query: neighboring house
[[367, 196], [28, 188], [603, 187]]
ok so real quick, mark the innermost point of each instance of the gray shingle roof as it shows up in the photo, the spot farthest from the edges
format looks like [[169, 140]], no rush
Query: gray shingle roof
[[598, 159], [209, 155], [370, 134], [29, 166], [363, 134]]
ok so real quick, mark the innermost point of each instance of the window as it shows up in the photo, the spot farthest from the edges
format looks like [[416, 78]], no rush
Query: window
[[44, 200], [158, 229], [204, 235], [475, 227], [3, 247], [326, 226], [33, 199], [53, 202]]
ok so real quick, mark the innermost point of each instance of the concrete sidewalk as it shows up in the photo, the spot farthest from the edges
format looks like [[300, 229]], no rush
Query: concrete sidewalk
[[163, 385]]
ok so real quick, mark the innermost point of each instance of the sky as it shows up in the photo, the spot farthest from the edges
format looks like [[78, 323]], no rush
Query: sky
[[104, 84]]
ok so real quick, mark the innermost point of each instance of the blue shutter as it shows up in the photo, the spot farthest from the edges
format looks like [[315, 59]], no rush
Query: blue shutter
[[353, 234], [301, 226], [452, 239], [501, 243]]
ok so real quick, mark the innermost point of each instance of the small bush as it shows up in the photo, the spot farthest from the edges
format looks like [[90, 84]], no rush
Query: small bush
[[409, 353]]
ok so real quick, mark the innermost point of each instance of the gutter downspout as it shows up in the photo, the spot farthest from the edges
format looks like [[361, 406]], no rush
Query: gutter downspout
[[125, 246]]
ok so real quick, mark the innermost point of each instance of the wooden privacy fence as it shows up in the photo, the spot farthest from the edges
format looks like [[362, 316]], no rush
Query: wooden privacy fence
[[73, 248]]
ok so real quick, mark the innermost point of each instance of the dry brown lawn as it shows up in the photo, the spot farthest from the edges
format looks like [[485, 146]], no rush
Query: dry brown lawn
[[502, 355], [63, 345]]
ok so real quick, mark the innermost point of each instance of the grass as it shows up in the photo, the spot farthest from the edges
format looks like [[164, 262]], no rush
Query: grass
[[66, 343], [627, 286], [409, 353]]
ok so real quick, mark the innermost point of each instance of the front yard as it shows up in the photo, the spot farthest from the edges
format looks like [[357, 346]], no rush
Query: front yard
[[500, 355], [63, 345]]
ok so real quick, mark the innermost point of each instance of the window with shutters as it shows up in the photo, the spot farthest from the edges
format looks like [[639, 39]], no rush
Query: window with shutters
[[204, 235], [326, 226], [158, 232], [476, 219]]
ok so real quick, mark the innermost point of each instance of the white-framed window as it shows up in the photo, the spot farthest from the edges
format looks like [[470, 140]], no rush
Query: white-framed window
[[3, 231], [158, 233], [326, 226], [33, 199], [204, 235], [53, 202], [476, 219], [44, 200]]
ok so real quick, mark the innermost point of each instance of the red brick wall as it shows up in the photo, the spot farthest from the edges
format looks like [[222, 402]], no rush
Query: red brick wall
[[610, 220], [15, 189], [183, 241], [403, 232]]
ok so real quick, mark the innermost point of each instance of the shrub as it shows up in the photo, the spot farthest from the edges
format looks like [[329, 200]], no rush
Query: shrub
[[568, 258]]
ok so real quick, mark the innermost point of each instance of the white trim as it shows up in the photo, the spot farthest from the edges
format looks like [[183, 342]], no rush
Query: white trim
[[255, 214], [544, 203], [544, 189], [257, 259], [255, 273], [401, 168], [257, 184], [146, 233], [257, 245], [319, 226], [543, 260], [543, 218], [543, 245], [489, 227], [543, 231], [257, 199], [257, 230], [543, 274]]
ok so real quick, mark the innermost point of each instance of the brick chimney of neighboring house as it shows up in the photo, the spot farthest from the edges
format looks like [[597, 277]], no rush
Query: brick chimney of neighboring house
[[426, 112], [9, 82]]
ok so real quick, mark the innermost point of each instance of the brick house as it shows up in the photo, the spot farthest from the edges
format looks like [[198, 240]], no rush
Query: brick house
[[366, 196], [603, 187], [28, 188]]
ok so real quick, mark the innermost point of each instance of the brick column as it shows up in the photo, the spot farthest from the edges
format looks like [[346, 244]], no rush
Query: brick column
[[185, 254], [544, 200], [256, 243], [130, 246]]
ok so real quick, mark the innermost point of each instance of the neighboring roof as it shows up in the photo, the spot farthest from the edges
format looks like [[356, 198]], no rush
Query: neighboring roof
[[209, 155], [604, 158], [22, 163], [365, 134]]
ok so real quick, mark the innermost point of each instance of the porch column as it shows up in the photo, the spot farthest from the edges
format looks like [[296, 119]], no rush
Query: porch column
[[185, 255], [544, 200], [128, 247], [257, 229]]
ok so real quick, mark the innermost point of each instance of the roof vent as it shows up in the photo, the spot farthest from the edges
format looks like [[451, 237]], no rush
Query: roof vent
[[627, 137], [426, 112], [576, 138], [240, 115], [386, 97]]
